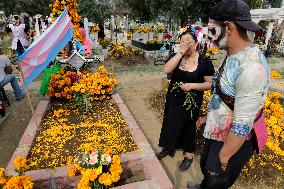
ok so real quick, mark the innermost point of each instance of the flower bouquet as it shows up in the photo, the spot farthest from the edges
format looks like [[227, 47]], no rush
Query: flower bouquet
[[103, 42], [189, 102], [60, 84], [161, 27], [93, 87], [167, 36], [95, 29], [21, 181], [275, 75], [212, 51], [98, 170]]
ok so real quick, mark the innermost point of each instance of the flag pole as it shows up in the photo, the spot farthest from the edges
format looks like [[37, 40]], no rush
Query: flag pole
[[27, 90]]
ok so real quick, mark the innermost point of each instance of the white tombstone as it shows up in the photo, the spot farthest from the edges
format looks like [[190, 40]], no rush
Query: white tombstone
[[37, 31], [151, 35], [86, 27], [268, 34], [112, 26]]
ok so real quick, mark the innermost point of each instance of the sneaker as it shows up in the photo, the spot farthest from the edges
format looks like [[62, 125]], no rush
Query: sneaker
[[162, 154], [185, 164], [191, 185]]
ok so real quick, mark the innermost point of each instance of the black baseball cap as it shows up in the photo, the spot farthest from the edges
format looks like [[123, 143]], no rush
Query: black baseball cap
[[237, 11]]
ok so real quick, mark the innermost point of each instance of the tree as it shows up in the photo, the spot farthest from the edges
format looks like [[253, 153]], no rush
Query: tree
[[254, 4], [139, 9], [71, 6], [16, 6], [273, 3], [184, 10], [179, 10], [95, 11], [37, 7]]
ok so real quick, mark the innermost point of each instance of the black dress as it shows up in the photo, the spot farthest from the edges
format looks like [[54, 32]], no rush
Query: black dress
[[179, 126]]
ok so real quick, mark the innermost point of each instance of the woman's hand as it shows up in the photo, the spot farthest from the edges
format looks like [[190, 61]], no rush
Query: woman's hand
[[186, 87], [185, 46], [200, 122]]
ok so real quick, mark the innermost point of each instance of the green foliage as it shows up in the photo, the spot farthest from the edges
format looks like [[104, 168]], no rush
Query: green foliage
[[254, 4], [178, 10], [271, 3], [144, 10], [32, 6], [95, 11], [274, 3], [83, 101], [189, 102]]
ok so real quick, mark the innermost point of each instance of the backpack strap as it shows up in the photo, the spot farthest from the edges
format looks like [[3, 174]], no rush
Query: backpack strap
[[228, 100]]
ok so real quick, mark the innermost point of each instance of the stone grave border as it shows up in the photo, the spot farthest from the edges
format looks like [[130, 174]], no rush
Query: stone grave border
[[143, 159]]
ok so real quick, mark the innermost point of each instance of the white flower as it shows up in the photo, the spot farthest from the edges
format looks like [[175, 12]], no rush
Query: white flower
[[106, 159], [93, 158]]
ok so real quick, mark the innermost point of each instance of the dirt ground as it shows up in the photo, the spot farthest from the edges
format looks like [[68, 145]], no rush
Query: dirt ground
[[12, 129]]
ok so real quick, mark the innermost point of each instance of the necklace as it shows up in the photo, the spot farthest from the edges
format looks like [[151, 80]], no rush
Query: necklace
[[189, 64]]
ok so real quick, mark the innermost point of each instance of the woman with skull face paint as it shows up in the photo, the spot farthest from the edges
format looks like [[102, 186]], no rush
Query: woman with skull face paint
[[195, 72]]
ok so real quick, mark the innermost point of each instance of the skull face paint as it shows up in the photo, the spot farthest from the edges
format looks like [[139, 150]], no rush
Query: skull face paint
[[217, 34]]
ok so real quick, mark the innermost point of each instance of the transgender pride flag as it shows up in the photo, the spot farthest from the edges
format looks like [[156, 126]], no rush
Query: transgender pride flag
[[45, 48]]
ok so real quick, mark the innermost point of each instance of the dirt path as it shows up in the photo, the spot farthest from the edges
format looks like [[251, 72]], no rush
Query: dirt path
[[135, 90], [12, 129]]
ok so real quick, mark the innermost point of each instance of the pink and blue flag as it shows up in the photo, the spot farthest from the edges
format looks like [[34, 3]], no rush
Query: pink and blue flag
[[46, 47]]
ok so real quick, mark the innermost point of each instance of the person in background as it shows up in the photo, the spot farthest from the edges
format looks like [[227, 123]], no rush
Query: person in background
[[82, 31], [239, 90], [19, 31], [6, 77], [101, 33]]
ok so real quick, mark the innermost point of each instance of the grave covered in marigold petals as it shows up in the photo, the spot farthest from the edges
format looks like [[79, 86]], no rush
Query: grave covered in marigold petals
[[83, 115]]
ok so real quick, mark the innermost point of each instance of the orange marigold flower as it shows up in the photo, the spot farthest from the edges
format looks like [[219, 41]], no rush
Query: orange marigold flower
[[69, 160], [105, 179], [20, 164], [73, 171]]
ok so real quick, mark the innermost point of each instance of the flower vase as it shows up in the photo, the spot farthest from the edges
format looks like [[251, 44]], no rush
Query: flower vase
[[140, 37], [151, 35], [96, 38], [135, 36], [105, 53], [125, 36], [160, 36], [144, 37], [120, 37]]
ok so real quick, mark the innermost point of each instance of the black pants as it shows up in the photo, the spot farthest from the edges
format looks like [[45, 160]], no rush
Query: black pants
[[214, 176]]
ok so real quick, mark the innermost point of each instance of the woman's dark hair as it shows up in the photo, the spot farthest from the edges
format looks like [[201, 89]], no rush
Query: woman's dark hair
[[188, 31]]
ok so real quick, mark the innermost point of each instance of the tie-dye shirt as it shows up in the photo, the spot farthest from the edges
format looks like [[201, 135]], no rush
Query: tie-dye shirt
[[245, 78]]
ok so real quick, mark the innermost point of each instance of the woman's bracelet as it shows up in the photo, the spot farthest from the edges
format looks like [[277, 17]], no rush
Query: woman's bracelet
[[182, 54]]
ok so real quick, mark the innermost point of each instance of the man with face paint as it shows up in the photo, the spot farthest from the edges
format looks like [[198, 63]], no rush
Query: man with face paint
[[239, 90], [19, 31]]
